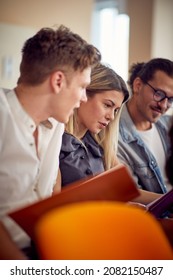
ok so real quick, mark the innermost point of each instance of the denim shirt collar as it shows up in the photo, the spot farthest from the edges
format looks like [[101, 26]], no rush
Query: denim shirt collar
[[129, 133]]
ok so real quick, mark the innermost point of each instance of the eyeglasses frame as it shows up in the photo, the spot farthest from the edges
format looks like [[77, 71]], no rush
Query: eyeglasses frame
[[170, 103]]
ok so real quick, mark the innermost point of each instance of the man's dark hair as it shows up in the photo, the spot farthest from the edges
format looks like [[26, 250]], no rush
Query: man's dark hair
[[146, 71]]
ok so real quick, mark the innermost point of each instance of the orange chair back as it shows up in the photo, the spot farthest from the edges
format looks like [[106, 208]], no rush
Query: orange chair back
[[101, 231]]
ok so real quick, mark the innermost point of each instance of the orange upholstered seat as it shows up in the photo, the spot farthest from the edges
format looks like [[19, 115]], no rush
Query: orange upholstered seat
[[101, 230]]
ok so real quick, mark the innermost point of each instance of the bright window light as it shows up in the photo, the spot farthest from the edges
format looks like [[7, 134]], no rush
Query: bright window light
[[111, 36]]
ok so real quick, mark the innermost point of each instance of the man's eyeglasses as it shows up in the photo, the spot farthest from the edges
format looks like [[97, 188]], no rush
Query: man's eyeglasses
[[160, 95]]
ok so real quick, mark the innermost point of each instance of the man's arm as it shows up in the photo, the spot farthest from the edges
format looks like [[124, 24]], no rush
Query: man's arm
[[146, 197], [8, 249]]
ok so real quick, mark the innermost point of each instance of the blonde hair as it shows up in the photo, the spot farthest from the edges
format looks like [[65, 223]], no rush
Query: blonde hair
[[103, 78]]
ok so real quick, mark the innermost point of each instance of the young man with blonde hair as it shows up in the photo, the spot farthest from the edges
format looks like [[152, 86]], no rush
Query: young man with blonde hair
[[54, 73]]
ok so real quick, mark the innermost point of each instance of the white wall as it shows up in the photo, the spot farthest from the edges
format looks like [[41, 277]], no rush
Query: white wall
[[76, 14], [162, 29], [20, 19], [12, 38]]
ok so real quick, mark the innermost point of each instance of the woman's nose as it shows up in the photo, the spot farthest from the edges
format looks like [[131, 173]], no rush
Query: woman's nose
[[110, 116]]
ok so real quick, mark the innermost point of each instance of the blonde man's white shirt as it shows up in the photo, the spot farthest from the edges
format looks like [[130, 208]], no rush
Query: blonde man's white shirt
[[26, 175]]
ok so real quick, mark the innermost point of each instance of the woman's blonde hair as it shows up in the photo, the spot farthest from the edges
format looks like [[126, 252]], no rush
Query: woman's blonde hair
[[103, 78]]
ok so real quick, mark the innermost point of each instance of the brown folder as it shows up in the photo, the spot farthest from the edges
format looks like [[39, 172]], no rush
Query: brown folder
[[115, 184]]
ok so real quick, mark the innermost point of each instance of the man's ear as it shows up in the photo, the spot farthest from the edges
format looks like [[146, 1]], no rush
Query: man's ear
[[57, 80], [137, 84]]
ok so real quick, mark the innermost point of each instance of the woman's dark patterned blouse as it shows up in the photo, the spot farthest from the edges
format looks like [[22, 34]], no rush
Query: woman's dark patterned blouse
[[77, 161]]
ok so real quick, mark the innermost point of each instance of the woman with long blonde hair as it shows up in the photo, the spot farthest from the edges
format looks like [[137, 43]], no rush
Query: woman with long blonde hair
[[90, 140]]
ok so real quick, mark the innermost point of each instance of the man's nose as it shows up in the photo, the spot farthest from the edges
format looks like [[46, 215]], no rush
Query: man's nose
[[164, 103], [84, 96]]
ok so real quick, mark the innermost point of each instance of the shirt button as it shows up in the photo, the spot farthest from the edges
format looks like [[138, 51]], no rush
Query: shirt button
[[88, 171], [35, 189], [82, 157], [31, 144]]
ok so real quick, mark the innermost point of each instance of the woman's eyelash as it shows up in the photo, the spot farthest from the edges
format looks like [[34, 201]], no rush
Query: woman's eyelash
[[116, 111], [107, 105]]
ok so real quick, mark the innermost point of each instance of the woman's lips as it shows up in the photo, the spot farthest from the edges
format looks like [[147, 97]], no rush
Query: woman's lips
[[103, 125]]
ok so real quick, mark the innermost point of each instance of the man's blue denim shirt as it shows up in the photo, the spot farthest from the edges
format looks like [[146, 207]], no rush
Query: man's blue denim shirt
[[133, 152]]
